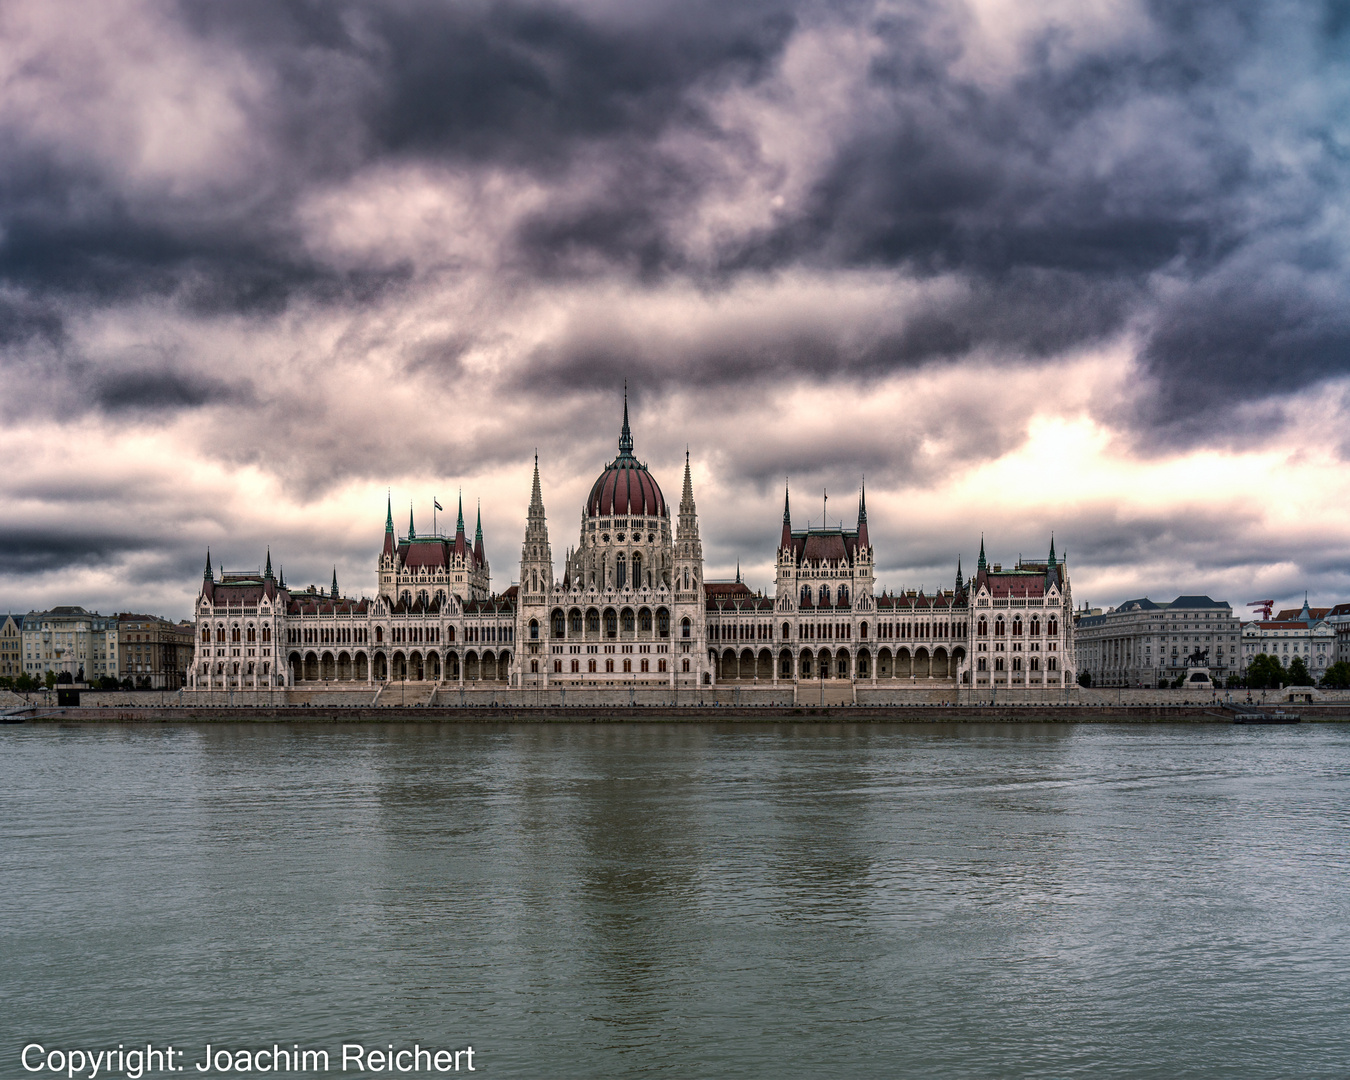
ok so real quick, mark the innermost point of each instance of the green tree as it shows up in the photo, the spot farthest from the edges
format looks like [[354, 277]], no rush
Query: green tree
[[1337, 676], [1266, 672], [26, 683], [1298, 673], [1085, 678], [49, 678]]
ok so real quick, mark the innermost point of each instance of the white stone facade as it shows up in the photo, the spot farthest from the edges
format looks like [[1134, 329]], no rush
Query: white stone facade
[[633, 610]]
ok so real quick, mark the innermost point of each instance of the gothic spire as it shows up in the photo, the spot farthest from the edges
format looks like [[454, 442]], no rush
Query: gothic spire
[[785, 541], [959, 583], [478, 555], [388, 512], [981, 565], [625, 435], [864, 541], [536, 494], [267, 571], [687, 528], [412, 533], [459, 524], [207, 574], [1050, 575], [334, 592]]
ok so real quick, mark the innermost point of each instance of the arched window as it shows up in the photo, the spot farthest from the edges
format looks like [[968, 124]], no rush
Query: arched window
[[252, 633], [1017, 663], [685, 628], [206, 633], [824, 595], [611, 623], [234, 635], [843, 596], [787, 631], [559, 625], [998, 663], [645, 620], [574, 621], [267, 636], [637, 570], [379, 634], [450, 634], [1051, 664], [806, 596], [981, 664], [1017, 626], [862, 630], [1052, 626], [1035, 663], [982, 627], [999, 628], [534, 629], [663, 622], [627, 620], [622, 570], [592, 621], [1035, 629]]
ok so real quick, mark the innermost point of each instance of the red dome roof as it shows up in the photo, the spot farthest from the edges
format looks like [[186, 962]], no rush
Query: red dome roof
[[625, 487]]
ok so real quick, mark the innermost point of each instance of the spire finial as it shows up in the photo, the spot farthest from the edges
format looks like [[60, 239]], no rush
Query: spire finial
[[267, 573], [625, 435], [389, 511], [459, 523], [335, 588], [412, 532], [208, 575]]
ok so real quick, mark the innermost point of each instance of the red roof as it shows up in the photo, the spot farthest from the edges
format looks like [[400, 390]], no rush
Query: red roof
[[625, 487]]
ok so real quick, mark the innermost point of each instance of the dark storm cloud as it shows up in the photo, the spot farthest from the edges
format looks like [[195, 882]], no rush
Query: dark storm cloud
[[161, 389], [25, 550], [1027, 189]]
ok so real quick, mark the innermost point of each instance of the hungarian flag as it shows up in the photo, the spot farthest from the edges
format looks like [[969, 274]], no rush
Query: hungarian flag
[[437, 505]]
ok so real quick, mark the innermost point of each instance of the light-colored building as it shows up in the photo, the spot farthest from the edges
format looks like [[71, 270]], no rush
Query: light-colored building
[[632, 609], [1338, 618], [154, 653], [11, 647], [1140, 643], [1305, 634], [72, 641]]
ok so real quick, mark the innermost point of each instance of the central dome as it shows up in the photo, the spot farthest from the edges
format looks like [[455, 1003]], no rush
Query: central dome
[[625, 487]]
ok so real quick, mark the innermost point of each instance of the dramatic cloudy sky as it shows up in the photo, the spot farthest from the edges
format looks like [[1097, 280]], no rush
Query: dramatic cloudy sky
[[1079, 266]]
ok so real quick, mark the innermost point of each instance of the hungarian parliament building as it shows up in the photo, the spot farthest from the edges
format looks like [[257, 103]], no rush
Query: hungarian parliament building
[[632, 609]]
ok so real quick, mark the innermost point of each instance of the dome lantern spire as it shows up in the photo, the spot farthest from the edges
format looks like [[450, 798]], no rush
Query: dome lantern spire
[[625, 434]]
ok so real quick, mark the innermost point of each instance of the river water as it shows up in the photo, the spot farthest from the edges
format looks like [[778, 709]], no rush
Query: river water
[[683, 900]]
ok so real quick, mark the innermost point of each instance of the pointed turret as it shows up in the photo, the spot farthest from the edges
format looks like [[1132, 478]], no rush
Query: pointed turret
[[1051, 574], [478, 555], [412, 532], [267, 570], [960, 584], [785, 541], [981, 566], [334, 592], [208, 579], [625, 435], [738, 571], [863, 541], [389, 539]]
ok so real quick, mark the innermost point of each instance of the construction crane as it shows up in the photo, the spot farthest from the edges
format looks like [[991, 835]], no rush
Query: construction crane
[[1265, 607]]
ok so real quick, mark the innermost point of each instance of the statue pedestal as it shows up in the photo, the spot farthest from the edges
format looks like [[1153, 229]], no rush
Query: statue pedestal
[[1197, 678]]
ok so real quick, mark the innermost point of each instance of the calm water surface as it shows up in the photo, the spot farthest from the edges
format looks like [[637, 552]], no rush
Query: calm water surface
[[688, 900]]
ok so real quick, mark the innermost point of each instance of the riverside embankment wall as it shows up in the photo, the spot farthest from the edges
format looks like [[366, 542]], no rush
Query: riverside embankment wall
[[913, 713]]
